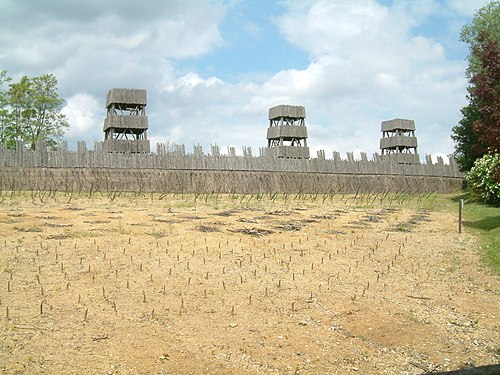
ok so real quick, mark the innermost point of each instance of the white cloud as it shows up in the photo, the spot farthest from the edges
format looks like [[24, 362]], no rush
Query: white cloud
[[367, 67], [105, 40], [83, 113], [466, 7]]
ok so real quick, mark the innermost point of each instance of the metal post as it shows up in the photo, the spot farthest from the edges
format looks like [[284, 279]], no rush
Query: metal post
[[460, 206]]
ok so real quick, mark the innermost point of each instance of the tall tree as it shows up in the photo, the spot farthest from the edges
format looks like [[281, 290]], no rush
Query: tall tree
[[477, 132], [33, 112], [486, 88], [468, 148], [3, 104]]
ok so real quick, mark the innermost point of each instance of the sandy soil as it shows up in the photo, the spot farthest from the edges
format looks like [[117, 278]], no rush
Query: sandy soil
[[157, 285]]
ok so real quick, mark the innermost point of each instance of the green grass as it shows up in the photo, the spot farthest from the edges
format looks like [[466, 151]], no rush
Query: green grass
[[482, 220]]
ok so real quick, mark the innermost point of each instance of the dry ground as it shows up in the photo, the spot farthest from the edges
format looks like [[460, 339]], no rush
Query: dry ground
[[156, 285]]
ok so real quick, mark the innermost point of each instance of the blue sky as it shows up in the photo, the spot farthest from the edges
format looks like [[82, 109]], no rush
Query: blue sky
[[213, 68], [253, 48]]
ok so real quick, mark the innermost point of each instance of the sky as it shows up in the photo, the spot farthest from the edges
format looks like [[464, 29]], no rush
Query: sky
[[212, 69]]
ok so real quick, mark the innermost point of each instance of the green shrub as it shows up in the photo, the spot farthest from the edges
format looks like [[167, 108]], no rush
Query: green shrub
[[484, 178]]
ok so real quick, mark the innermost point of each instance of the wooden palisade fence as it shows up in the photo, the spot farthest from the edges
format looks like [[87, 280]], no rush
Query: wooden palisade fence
[[172, 170]]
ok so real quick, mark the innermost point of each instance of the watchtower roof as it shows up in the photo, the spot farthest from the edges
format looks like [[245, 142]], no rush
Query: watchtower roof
[[398, 124], [126, 96], [283, 110]]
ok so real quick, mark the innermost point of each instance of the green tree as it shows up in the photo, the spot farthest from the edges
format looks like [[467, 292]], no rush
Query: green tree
[[486, 88], [477, 131], [33, 112], [3, 103], [486, 19], [465, 138]]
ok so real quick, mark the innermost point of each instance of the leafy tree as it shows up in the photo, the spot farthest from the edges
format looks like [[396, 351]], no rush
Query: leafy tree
[[33, 112], [478, 131], [467, 145], [486, 88], [3, 103], [486, 19]]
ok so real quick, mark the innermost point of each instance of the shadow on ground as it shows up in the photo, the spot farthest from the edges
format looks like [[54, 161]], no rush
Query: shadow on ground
[[481, 370], [487, 223]]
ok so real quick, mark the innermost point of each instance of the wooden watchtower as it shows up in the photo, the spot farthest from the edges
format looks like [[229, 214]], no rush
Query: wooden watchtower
[[126, 124], [398, 142], [287, 132]]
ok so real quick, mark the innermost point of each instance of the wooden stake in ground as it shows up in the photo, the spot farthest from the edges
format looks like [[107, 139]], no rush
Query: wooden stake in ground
[[460, 206]]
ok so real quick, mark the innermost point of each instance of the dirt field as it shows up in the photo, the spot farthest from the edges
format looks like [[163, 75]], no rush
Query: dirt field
[[157, 285]]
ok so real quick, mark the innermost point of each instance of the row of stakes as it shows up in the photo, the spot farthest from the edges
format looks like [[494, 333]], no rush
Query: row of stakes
[[182, 302]]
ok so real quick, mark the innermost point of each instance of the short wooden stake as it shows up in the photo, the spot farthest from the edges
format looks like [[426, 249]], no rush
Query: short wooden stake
[[460, 207]]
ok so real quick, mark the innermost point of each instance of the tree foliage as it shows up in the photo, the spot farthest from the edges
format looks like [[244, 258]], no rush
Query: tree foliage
[[31, 111], [478, 131], [486, 19], [486, 88], [468, 147], [484, 178]]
